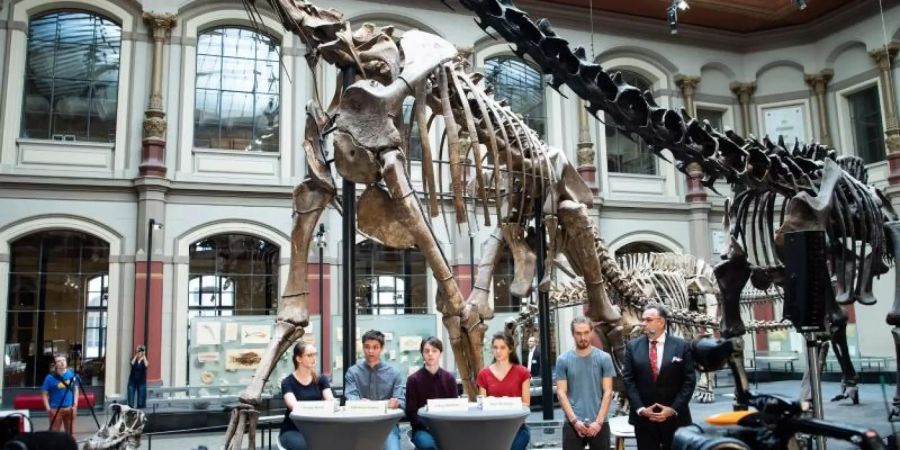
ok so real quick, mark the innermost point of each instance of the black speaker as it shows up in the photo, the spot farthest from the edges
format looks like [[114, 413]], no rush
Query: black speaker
[[808, 285]]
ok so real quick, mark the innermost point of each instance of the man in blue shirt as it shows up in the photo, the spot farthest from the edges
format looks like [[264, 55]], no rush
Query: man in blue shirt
[[60, 395], [584, 378], [372, 379]]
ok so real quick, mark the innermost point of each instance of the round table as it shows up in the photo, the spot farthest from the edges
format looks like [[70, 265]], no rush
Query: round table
[[346, 430], [475, 428]]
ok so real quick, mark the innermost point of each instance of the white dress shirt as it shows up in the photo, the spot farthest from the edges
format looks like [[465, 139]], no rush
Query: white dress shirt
[[530, 357]]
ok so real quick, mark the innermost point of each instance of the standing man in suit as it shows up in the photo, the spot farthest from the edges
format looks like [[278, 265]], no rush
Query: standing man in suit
[[532, 357], [658, 371]]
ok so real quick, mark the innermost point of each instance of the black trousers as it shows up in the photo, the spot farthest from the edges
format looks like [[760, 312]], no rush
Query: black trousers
[[653, 435], [571, 440]]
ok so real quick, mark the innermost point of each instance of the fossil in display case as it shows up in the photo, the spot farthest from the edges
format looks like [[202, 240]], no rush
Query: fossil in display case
[[410, 343], [231, 331], [209, 333], [256, 334], [244, 359], [207, 377], [207, 357]]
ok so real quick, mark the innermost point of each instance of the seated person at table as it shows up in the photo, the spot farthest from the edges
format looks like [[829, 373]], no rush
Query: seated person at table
[[302, 385], [372, 379], [505, 377], [431, 381]]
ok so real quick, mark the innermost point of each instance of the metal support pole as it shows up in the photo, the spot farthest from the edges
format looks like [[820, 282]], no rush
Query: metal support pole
[[320, 241], [348, 278], [543, 315], [150, 226], [815, 384]]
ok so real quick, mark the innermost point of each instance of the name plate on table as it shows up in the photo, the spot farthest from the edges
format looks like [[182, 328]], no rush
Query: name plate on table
[[448, 405], [315, 408], [501, 404], [366, 406]]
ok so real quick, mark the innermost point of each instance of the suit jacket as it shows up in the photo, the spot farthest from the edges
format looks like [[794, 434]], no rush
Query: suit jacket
[[673, 387], [535, 361]]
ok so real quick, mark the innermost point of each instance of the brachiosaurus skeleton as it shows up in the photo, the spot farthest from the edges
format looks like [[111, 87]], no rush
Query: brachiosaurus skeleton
[[524, 178], [782, 190]]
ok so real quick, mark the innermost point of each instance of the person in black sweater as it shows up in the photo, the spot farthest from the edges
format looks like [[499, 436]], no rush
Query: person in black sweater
[[431, 381], [301, 385]]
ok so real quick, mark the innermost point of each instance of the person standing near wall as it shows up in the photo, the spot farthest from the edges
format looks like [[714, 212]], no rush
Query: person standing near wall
[[137, 379]]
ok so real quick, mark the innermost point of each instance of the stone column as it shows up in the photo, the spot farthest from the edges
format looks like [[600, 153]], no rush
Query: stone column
[[154, 143], [688, 85], [884, 57], [818, 82], [744, 92], [586, 154]]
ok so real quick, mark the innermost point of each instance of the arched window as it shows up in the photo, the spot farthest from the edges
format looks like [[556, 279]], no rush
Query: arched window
[[71, 77], [522, 86], [236, 104], [57, 303], [390, 281], [233, 275], [623, 154], [640, 247]]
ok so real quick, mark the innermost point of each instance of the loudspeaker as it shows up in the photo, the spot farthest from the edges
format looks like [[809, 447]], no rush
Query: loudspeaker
[[808, 285]]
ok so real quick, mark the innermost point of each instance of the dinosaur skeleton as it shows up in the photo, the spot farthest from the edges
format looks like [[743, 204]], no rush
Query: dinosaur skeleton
[[515, 174], [121, 432], [808, 186]]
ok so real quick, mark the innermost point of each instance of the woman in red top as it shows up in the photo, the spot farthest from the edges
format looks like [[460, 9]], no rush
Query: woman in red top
[[506, 377]]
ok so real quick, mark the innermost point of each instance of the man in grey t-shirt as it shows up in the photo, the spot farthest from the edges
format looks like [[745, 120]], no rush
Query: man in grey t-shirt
[[584, 388]]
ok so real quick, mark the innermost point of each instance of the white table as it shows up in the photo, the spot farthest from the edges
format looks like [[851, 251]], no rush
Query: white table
[[346, 430], [475, 428]]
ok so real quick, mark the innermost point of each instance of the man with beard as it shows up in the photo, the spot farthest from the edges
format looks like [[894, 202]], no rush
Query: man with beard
[[584, 388], [658, 372]]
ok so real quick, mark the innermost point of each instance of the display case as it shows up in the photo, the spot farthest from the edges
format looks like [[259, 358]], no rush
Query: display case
[[224, 353]]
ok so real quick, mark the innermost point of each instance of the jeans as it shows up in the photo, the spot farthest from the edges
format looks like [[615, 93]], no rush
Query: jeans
[[523, 436], [393, 439], [137, 395], [292, 440], [423, 440]]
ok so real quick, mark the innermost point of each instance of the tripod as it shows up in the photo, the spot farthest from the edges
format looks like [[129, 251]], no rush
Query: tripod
[[71, 384]]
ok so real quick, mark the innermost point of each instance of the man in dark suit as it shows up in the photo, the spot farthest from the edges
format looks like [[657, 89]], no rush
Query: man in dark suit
[[531, 357], [658, 371]]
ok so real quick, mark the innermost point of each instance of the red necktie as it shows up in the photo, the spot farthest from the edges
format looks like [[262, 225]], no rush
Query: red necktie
[[653, 367]]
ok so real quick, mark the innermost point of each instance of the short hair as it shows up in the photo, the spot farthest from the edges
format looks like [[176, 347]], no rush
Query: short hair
[[373, 335], [660, 308], [580, 320], [60, 355], [432, 341]]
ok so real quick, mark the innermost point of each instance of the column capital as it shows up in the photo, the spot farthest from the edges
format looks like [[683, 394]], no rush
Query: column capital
[[884, 55], [818, 82], [159, 23], [743, 91], [687, 83]]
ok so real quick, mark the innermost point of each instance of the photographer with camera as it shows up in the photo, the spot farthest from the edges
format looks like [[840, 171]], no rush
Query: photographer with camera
[[658, 372], [137, 379], [61, 395]]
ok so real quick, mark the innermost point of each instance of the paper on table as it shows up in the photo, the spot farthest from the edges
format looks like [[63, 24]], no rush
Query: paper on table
[[315, 408], [448, 405], [366, 406], [502, 404]]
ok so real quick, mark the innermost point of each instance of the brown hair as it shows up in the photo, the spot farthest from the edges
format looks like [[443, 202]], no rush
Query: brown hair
[[432, 341], [506, 338], [299, 350]]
